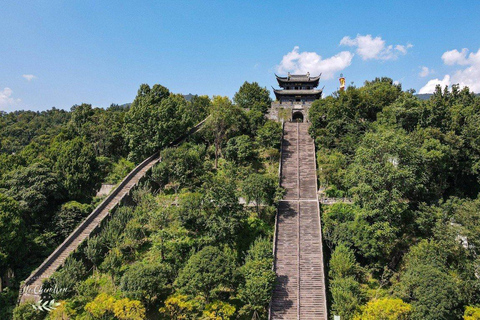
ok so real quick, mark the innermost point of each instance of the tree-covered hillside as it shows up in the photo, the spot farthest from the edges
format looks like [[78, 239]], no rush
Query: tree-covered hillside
[[407, 248], [183, 247]]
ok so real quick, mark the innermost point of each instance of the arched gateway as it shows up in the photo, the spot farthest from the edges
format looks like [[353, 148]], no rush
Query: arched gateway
[[297, 116]]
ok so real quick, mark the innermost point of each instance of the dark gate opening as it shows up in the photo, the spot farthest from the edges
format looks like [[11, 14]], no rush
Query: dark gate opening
[[297, 117]]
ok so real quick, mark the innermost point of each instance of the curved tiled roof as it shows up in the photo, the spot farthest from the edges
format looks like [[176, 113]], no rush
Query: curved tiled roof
[[299, 78], [297, 92]]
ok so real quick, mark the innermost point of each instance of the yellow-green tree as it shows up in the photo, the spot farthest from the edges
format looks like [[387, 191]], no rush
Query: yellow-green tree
[[63, 312], [105, 305], [218, 310], [126, 309], [471, 313], [180, 307], [385, 309]]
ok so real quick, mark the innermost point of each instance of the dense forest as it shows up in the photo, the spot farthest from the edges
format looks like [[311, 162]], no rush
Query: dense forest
[[185, 247], [408, 245]]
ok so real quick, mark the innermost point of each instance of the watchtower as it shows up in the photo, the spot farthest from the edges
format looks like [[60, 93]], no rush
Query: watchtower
[[295, 98]]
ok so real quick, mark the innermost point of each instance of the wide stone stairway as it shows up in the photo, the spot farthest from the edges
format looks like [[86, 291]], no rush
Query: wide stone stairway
[[299, 292]]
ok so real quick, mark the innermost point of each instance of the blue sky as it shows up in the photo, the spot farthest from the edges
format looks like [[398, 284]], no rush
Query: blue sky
[[60, 53]]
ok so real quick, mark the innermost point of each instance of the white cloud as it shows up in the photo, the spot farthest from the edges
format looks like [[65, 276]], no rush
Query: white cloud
[[467, 77], [425, 72], [455, 57], [303, 62], [6, 99], [430, 86], [375, 48], [29, 77]]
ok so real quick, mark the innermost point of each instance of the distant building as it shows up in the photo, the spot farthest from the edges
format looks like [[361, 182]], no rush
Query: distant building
[[294, 99]]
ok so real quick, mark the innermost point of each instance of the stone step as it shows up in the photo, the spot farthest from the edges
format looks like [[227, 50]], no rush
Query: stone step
[[299, 292], [63, 251]]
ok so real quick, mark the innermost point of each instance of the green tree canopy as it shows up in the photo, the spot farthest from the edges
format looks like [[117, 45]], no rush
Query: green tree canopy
[[252, 96], [155, 119], [207, 272], [13, 231], [225, 120], [77, 168]]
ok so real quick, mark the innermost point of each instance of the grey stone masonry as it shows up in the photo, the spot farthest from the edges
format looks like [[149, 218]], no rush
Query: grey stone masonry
[[299, 292], [284, 111]]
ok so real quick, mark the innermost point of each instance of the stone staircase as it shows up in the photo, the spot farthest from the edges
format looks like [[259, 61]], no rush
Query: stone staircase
[[33, 284], [299, 292], [30, 290]]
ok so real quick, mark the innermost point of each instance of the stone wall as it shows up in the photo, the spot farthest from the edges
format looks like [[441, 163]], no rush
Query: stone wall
[[284, 111]]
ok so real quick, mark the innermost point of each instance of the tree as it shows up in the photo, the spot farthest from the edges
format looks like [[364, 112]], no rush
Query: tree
[[218, 310], [102, 128], [68, 277], [344, 286], [385, 309], [428, 286], [207, 272], [62, 312], [126, 309], [157, 118], [69, 216], [13, 232], [77, 165], [270, 135], [260, 188], [201, 107], [106, 306], [81, 115], [94, 250], [146, 282], [224, 121], [221, 214], [180, 307], [343, 263], [141, 121], [347, 297], [25, 311], [256, 119], [119, 171], [471, 313], [36, 188], [251, 95], [182, 165], [331, 166], [258, 278], [240, 150]]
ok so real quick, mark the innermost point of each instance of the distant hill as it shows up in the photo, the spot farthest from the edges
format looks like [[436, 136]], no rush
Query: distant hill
[[426, 96], [187, 97], [423, 96]]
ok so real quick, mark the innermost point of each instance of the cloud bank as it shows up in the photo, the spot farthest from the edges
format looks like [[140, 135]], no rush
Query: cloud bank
[[303, 62], [6, 99], [465, 77], [375, 48]]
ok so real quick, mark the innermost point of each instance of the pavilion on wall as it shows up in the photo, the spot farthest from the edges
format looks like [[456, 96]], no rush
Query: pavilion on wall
[[295, 98]]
